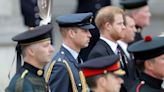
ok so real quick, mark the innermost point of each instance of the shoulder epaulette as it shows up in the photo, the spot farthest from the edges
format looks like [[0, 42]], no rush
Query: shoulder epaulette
[[24, 74], [61, 58], [50, 67], [20, 82], [139, 86]]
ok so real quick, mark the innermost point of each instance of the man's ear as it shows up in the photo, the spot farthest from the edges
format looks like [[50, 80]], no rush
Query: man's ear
[[148, 65], [30, 50], [101, 82], [108, 26], [71, 32]]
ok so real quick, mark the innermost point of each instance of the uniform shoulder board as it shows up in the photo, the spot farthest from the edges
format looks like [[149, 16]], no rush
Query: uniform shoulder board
[[24, 74], [61, 57], [20, 82]]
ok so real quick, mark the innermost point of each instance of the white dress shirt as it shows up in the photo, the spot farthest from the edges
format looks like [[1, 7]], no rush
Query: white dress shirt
[[124, 47], [73, 52], [113, 45]]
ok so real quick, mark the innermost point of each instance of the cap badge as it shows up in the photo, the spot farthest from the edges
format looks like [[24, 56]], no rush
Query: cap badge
[[105, 71]]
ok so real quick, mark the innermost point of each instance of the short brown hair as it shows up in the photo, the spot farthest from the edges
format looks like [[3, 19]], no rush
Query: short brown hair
[[91, 81], [106, 14]]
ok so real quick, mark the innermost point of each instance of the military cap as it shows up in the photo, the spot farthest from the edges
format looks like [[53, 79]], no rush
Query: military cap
[[82, 20], [147, 48], [34, 34], [102, 65], [133, 4]]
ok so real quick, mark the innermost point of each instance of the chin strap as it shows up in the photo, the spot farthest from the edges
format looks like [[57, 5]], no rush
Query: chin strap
[[19, 52]]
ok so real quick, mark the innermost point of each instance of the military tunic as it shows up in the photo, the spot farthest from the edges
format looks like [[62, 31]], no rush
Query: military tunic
[[28, 79], [60, 79], [147, 83], [30, 12]]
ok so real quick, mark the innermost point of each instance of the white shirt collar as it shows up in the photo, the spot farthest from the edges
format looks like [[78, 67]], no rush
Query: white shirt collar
[[73, 52], [113, 45], [124, 46]]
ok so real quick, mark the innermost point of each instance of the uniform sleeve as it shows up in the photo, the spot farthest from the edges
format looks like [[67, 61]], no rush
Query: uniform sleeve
[[59, 79]]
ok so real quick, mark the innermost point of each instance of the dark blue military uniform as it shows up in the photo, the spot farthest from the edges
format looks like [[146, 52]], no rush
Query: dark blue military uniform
[[28, 79], [65, 75], [59, 79], [30, 12]]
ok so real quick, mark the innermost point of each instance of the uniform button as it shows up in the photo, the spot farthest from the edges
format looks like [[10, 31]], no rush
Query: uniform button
[[40, 72], [37, 15], [36, 9], [62, 52], [79, 84], [37, 22], [97, 6]]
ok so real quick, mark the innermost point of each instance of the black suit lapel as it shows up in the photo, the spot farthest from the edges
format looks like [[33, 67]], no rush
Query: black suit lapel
[[109, 50]]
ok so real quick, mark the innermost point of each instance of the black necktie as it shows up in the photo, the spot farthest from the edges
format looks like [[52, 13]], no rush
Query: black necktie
[[123, 59], [79, 59]]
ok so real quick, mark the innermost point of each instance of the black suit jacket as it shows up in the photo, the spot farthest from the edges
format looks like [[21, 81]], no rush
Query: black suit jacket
[[100, 49]]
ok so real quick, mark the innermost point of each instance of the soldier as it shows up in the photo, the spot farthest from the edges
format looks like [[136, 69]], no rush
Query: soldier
[[35, 48], [149, 56], [36, 13], [30, 12], [102, 74], [139, 11], [66, 75]]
